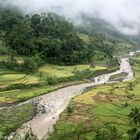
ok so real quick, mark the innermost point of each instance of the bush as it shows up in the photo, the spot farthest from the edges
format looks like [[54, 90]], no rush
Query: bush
[[70, 110], [108, 132], [78, 75], [3, 51], [113, 62], [19, 86], [1, 135], [9, 64], [29, 65], [87, 73], [51, 80]]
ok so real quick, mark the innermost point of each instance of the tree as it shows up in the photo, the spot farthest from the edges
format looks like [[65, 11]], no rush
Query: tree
[[19, 39], [108, 132], [29, 65], [1, 135], [29, 135], [134, 134], [130, 86], [70, 110], [50, 36], [134, 116], [35, 24]]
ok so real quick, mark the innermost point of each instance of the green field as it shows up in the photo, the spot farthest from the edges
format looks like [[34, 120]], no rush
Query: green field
[[67, 71], [11, 77]]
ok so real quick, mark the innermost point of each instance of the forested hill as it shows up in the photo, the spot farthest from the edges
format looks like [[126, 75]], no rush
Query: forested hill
[[106, 35], [48, 36], [51, 38]]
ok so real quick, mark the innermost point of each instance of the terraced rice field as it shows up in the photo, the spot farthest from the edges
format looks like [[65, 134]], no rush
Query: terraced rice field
[[66, 71]]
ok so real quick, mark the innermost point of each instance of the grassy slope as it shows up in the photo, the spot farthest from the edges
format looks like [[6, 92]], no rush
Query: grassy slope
[[12, 117], [99, 106], [66, 71]]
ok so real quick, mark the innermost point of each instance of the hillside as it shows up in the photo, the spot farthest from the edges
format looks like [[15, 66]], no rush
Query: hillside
[[42, 53], [103, 33]]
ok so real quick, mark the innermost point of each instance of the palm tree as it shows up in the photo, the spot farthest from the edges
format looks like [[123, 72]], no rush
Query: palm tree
[[1, 135], [100, 135], [108, 132], [134, 134], [134, 116]]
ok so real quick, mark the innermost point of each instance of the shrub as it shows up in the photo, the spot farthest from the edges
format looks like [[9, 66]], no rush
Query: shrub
[[133, 134], [130, 86], [9, 64], [19, 86], [29, 65], [70, 110], [1, 135], [3, 51], [51, 80], [87, 73]]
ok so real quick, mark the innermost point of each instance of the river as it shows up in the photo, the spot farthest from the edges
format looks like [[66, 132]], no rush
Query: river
[[54, 103]]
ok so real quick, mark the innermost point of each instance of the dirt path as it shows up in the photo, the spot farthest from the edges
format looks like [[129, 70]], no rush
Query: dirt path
[[51, 105]]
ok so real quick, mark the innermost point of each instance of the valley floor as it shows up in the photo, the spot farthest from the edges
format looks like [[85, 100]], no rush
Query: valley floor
[[54, 105]]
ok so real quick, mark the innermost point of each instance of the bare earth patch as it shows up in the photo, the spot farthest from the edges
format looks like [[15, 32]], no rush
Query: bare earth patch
[[107, 98]]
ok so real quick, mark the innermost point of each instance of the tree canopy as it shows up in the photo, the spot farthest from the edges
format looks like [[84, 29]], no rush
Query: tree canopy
[[47, 35]]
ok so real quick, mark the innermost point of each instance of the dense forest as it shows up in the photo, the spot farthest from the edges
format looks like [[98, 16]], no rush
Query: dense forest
[[48, 36]]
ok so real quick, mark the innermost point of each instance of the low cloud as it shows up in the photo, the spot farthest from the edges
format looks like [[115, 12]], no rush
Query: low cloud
[[124, 15]]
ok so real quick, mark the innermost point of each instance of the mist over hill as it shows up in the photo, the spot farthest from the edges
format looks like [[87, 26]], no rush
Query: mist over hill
[[123, 15]]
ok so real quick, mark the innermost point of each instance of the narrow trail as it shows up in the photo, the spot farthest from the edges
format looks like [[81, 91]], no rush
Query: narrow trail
[[51, 105]]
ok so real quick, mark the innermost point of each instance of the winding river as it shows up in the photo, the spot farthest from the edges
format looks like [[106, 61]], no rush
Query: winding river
[[54, 103]]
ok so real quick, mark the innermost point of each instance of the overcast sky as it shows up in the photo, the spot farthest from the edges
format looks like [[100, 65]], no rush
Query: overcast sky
[[116, 12]]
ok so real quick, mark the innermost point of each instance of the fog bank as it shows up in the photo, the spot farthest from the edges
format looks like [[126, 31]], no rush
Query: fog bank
[[124, 15]]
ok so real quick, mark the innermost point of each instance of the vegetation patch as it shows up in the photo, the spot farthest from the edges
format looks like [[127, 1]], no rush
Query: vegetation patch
[[12, 117], [11, 77], [66, 71], [118, 77]]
